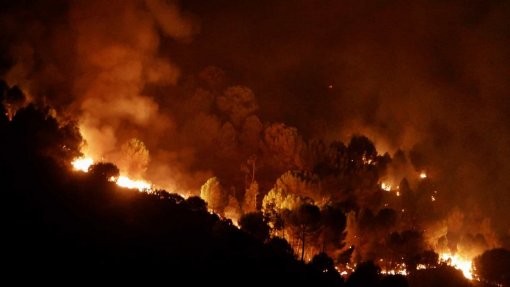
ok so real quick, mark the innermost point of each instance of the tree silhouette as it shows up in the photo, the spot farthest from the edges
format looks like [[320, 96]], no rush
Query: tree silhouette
[[443, 275], [196, 203], [281, 247], [255, 224], [324, 264], [366, 274], [39, 134], [493, 266], [306, 218], [333, 221], [104, 171]]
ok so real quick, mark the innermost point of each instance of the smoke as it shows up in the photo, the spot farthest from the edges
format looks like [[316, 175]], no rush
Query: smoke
[[426, 81], [94, 60], [427, 77]]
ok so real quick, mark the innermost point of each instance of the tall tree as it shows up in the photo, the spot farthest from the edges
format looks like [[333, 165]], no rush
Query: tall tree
[[212, 192]]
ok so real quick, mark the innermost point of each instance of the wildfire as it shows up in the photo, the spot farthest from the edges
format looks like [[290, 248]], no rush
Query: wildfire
[[82, 163], [125, 181], [395, 272], [458, 262], [385, 186]]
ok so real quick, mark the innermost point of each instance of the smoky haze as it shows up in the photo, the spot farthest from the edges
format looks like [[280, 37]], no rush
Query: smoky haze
[[427, 77]]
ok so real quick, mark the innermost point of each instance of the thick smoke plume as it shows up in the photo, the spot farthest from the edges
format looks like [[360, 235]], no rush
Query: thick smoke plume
[[93, 61]]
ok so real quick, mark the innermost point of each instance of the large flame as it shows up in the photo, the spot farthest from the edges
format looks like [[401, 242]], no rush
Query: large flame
[[83, 164], [125, 181], [459, 262]]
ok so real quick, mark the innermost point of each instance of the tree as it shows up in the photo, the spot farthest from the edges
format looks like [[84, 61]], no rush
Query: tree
[[429, 258], [250, 198], [37, 132], [407, 245], [324, 265], [361, 151], [13, 100], [254, 224], [165, 195], [250, 136], [306, 218], [196, 203], [212, 192], [302, 184], [443, 275], [104, 171], [284, 144], [333, 221], [280, 247], [366, 274], [322, 262], [494, 266], [136, 157], [237, 103], [232, 210], [3, 96]]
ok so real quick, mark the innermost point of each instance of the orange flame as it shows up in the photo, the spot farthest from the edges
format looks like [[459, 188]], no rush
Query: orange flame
[[458, 262], [141, 185], [83, 164]]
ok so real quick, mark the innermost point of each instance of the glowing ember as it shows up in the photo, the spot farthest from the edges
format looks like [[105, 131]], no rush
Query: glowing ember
[[82, 163], [141, 185], [421, 267], [460, 263], [423, 175], [385, 186], [433, 198], [395, 272]]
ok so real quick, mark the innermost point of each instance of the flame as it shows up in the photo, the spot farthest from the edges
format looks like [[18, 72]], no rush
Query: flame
[[385, 186], [395, 272], [82, 163], [141, 185], [458, 262]]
